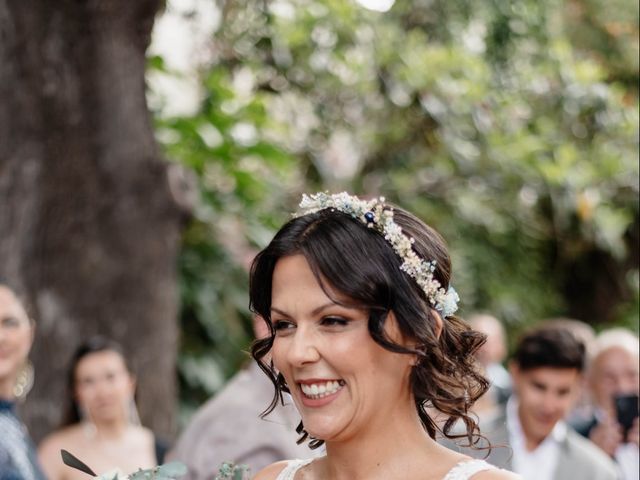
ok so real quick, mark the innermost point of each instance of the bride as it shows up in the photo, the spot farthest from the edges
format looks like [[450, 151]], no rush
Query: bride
[[356, 295]]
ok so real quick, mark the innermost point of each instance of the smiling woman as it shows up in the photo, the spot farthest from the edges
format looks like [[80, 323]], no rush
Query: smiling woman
[[357, 298], [17, 455]]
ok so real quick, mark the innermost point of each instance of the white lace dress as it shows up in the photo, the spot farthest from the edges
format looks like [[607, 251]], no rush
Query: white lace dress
[[461, 471]]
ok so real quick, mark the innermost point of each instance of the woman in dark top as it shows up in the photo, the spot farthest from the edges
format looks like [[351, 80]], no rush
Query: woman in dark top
[[17, 455]]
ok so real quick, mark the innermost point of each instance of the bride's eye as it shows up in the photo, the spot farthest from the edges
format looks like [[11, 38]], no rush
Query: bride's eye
[[334, 321], [282, 325]]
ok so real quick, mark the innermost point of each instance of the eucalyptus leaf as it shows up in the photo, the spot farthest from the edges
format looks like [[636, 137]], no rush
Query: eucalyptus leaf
[[171, 470], [74, 462]]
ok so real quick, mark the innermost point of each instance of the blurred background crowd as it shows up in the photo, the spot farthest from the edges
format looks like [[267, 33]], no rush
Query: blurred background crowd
[[148, 149], [567, 407]]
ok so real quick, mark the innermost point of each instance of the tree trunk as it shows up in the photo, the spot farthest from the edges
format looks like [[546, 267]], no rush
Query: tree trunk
[[89, 230]]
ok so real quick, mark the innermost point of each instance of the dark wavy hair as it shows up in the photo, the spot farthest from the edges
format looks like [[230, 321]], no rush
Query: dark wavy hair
[[94, 344], [362, 266], [550, 345], [21, 298]]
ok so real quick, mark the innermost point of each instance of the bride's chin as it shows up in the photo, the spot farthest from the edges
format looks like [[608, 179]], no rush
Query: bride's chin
[[318, 433], [326, 433]]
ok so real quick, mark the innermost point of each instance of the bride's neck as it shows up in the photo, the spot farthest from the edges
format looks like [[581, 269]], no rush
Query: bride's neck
[[381, 450]]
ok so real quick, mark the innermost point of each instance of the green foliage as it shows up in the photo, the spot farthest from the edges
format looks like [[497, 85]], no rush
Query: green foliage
[[230, 471], [241, 202], [495, 121], [167, 471]]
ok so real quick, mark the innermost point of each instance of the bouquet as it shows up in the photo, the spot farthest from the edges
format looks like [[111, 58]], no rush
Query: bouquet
[[230, 471], [168, 471]]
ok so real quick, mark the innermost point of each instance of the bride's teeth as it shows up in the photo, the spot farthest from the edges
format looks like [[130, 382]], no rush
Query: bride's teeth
[[320, 390]]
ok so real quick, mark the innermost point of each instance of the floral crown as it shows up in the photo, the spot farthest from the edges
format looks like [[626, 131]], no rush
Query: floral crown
[[374, 215]]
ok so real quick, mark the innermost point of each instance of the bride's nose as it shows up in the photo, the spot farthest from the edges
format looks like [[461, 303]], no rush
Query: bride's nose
[[303, 348]]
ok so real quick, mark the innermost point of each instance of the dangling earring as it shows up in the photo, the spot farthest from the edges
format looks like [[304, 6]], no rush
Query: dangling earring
[[88, 427], [24, 381], [134, 416]]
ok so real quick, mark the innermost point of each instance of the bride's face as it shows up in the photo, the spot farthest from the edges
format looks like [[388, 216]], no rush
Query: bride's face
[[343, 383]]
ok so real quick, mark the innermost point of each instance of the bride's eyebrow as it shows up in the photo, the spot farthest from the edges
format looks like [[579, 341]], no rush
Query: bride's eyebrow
[[281, 312], [315, 311], [321, 308]]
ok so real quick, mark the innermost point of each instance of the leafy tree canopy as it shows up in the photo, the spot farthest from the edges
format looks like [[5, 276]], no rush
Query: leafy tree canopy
[[512, 127]]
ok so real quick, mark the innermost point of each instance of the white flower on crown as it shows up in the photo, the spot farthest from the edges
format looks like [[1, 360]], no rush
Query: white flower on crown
[[373, 214]]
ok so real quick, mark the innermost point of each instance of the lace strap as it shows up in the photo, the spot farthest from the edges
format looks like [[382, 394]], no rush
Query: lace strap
[[466, 469], [292, 467]]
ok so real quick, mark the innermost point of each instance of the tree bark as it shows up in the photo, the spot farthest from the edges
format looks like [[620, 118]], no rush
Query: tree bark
[[89, 231]]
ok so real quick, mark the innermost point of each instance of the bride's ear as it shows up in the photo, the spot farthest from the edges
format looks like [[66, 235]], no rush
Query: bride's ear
[[392, 330], [439, 323]]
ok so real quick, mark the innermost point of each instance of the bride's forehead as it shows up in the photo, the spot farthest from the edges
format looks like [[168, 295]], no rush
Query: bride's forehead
[[294, 281], [294, 271]]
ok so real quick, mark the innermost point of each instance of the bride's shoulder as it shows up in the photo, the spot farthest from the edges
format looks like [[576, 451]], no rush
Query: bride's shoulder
[[272, 471], [496, 475], [476, 469]]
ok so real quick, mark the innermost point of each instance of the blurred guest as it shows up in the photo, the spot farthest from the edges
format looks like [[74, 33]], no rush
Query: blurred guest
[[229, 428], [101, 426], [546, 372], [582, 412], [18, 459], [583, 331], [614, 374], [492, 354]]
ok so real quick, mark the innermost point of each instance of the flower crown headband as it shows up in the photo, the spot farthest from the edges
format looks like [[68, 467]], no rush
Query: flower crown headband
[[373, 215]]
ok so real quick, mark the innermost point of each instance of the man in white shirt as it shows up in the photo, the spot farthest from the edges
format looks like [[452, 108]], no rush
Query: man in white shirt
[[546, 374], [614, 372]]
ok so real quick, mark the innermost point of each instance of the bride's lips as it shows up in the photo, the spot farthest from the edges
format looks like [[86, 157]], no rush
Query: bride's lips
[[318, 392]]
